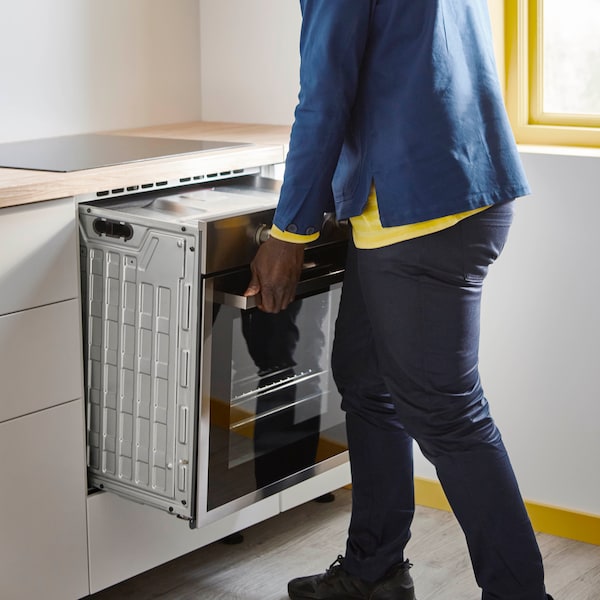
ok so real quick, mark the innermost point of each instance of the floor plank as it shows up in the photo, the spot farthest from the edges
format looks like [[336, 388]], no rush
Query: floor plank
[[308, 538]]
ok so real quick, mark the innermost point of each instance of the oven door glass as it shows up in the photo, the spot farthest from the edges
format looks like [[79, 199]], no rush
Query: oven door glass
[[275, 416]]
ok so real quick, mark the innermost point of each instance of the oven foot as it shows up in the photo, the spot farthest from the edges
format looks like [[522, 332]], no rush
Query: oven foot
[[233, 539], [325, 498]]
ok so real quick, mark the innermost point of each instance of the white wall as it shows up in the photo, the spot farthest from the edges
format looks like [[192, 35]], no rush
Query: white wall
[[74, 66], [250, 60], [541, 314], [540, 345]]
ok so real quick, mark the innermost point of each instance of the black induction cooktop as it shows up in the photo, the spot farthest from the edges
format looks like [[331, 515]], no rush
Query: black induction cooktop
[[90, 151]]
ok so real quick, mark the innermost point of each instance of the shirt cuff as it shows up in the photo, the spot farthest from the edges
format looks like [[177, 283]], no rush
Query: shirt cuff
[[294, 238]]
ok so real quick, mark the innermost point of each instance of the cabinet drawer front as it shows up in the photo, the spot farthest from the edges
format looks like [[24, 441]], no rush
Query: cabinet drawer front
[[38, 255], [43, 551], [41, 358]]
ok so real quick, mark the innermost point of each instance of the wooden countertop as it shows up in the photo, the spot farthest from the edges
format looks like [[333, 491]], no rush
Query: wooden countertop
[[268, 146]]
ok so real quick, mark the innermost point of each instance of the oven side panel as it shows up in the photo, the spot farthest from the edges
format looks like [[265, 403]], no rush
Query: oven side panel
[[141, 353]]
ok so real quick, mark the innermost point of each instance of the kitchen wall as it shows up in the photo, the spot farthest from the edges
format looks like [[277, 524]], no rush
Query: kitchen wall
[[249, 60], [541, 330], [541, 315], [74, 66]]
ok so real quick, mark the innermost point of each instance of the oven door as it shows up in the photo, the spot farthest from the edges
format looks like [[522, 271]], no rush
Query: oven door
[[270, 411]]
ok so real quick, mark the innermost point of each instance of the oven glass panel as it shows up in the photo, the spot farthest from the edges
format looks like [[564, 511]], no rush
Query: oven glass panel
[[275, 410]]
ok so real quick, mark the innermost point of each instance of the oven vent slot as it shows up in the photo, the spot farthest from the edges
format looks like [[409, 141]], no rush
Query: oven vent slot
[[186, 180]]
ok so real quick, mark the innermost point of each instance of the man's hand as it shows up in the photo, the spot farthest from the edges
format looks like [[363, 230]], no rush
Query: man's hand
[[275, 272]]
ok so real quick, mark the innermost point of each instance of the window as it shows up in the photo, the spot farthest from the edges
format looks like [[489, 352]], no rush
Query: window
[[553, 71]]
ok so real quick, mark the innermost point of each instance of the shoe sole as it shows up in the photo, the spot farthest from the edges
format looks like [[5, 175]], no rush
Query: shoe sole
[[297, 597]]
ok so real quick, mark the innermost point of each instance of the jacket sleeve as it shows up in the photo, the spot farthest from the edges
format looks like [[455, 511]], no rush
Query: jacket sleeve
[[332, 44]]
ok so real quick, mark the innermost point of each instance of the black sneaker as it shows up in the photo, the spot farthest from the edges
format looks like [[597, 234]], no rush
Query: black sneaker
[[336, 584]]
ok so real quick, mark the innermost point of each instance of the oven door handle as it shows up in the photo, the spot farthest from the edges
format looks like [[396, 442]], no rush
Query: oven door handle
[[306, 287]]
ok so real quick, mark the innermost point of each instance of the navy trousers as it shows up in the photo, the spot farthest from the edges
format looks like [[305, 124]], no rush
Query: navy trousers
[[405, 360]]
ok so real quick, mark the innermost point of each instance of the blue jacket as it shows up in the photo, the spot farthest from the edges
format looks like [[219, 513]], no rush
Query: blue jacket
[[405, 94]]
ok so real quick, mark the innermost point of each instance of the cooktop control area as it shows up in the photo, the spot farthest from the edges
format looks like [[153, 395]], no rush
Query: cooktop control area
[[90, 151]]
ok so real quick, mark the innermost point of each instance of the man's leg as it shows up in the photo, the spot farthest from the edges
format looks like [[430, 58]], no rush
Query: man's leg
[[380, 449], [423, 301]]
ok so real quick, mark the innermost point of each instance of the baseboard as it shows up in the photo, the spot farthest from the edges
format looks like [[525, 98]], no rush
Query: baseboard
[[565, 523]]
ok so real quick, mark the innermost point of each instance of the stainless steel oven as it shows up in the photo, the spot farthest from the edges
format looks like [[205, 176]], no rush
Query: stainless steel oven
[[197, 402]]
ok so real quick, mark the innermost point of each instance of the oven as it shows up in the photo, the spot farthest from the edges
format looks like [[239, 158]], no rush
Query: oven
[[197, 402]]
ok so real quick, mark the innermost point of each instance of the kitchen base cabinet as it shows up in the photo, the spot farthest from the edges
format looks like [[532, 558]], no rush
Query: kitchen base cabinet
[[43, 550], [38, 255], [41, 359], [126, 538]]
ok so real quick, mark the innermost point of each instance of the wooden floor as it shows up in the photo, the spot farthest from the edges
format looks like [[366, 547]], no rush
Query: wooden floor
[[307, 539]]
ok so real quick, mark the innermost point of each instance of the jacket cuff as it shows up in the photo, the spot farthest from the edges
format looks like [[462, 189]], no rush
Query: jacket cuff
[[294, 238]]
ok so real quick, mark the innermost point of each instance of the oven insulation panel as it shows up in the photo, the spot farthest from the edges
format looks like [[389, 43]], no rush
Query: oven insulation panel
[[140, 340]]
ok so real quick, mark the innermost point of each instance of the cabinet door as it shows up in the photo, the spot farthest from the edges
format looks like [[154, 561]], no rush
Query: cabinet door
[[43, 543], [41, 363], [38, 255]]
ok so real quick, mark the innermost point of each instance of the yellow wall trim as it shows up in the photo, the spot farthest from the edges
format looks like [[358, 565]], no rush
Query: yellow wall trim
[[562, 522]]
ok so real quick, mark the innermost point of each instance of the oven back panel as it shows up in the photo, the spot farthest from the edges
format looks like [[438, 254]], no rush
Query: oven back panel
[[140, 334]]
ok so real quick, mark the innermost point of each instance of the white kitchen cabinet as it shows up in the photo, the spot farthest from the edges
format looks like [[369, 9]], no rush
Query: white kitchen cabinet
[[43, 544], [43, 537], [38, 255], [41, 358], [126, 538]]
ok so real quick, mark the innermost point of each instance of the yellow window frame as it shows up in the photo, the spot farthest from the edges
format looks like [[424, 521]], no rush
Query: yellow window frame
[[524, 84]]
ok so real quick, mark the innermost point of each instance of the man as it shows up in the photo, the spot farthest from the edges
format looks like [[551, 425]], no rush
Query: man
[[400, 114]]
